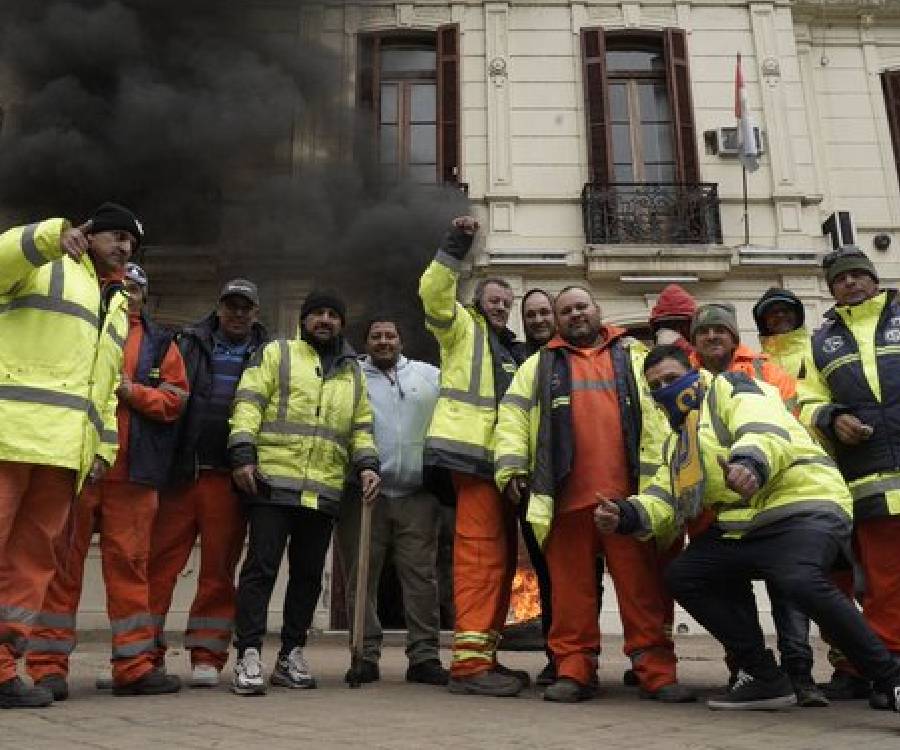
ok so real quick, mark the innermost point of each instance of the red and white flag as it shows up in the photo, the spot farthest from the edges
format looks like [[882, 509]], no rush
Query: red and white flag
[[748, 151]]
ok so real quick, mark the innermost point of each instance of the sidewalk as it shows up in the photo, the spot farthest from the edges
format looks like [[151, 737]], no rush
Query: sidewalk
[[394, 715]]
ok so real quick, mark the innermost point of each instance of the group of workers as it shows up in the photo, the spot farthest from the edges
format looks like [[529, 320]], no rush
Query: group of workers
[[689, 471]]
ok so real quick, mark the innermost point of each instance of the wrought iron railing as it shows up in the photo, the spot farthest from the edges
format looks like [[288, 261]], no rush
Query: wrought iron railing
[[651, 213]]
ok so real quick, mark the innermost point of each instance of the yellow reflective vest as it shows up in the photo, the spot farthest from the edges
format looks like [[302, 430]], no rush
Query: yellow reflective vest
[[461, 433], [790, 351], [742, 418], [61, 349], [522, 427], [308, 428]]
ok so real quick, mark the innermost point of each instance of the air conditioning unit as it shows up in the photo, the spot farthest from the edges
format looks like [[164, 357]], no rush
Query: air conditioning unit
[[727, 141], [839, 227]]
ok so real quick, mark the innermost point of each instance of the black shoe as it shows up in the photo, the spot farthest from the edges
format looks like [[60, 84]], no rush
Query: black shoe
[[428, 673], [56, 684], [630, 678], [155, 682], [368, 672], [671, 693], [520, 674], [491, 683], [567, 690], [844, 686], [15, 693], [809, 695], [547, 676], [752, 694]]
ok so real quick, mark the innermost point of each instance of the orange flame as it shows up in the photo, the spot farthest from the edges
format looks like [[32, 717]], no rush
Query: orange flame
[[525, 603]]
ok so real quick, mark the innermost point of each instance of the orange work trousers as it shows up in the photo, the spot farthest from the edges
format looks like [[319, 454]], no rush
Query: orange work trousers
[[125, 513], [484, 565], [34, 506], [211, 508], [644, 604]]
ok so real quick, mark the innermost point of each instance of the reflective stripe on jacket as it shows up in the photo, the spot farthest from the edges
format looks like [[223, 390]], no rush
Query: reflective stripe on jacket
[[856, 370], [60, 353], [742, 418], [461, 432], [522, 426], [790, 351], [308, 427]]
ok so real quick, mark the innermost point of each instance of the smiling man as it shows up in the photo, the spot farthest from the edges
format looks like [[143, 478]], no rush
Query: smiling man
[[851, 396]]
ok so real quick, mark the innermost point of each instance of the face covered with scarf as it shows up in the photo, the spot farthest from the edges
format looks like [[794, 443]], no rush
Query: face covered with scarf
[[675, 388]]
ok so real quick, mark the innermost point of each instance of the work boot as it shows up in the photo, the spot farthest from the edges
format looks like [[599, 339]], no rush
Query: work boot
[[520, 674], [204, 676], [155, 682], [368, 672], [15, 693], [567, 690], [844, 686], [56, 684], [248, 678], [751, 693], [809, 695], [671, 693], [428, 672], [491, 683], [547, 676], [630, 678], [292, 671]]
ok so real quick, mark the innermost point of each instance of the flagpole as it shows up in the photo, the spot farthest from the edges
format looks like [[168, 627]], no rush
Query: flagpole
[[746, 211]]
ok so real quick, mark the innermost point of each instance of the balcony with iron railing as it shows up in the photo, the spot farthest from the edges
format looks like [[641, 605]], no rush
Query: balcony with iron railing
[[651, 213]]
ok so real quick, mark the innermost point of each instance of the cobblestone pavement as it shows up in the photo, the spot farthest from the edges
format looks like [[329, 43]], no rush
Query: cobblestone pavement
[[393, 714]]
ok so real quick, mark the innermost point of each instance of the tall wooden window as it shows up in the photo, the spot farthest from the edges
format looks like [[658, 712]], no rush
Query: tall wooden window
[[638, 104], [890, 82], [409, 82]]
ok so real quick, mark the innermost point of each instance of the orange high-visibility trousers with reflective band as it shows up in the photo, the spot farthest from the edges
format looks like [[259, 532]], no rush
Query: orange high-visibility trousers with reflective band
[[644, 604], [34, 506], [125, 513], [211, 508], [484, 564]]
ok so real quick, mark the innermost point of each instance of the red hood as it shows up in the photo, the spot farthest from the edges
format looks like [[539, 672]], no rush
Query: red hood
[[673, 302]]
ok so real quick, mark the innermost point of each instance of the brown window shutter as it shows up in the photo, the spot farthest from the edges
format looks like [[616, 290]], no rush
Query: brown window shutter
[[448, 103], [890, 82], [596, 103], [678, 77]]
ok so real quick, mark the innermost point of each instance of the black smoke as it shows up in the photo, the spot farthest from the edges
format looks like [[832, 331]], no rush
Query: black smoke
[[218, 132]]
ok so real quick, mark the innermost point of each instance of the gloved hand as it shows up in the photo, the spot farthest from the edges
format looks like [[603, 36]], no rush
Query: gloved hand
[[458, 240]]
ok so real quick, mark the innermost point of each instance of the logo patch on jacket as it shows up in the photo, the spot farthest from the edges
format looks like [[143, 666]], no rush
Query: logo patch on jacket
[[832, 344]]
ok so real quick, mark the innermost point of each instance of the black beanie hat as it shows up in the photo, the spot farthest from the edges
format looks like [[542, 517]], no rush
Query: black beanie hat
[[319, 298], [113, 217]]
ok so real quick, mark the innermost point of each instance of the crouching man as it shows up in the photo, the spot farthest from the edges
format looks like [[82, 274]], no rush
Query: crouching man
[[783, 515]]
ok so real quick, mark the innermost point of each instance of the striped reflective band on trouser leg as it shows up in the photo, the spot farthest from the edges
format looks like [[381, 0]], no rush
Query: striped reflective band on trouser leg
[[133, 646], [473, 652], [50, 643], [208, 639]]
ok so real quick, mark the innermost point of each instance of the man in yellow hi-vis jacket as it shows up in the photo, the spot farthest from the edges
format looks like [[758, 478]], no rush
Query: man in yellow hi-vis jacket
[[63, 323], [301, 423], [783, 515], [478, 360]]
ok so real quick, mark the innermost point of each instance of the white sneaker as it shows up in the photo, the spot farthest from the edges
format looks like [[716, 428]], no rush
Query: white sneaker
[[204, 676], [292, 671], [248, 678]]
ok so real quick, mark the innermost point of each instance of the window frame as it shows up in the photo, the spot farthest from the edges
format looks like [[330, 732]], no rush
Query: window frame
[[890, 85]]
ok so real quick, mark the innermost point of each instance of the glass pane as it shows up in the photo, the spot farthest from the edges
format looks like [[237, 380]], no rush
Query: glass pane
[[388, 150], [618, 102], [423, 174], [659, 172], [623, 173], [642, 60], [656, 140], [422, 144], [388, 103], [654, 102], [400, 60], [423, 102], [621, 144]]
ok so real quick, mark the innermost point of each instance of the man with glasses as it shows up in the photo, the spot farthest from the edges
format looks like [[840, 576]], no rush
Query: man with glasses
[[851, 396], [783, 515], [202, 500]]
